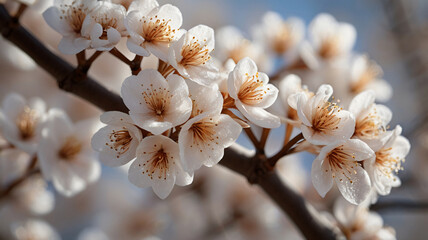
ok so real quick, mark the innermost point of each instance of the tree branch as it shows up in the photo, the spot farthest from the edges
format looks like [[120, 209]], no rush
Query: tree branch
[[67, 78], [400, 205], [304, 215]]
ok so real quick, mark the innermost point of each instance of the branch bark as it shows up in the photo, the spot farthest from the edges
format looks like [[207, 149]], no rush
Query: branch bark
[[67, 78], [400, 205], [301, 213]]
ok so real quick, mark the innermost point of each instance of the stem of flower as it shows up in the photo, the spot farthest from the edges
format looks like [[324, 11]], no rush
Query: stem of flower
[[284, 151], [21, 10], [92, 58], [29, 172], [120, 56], [136, 64], [263, 139], [81, 58], [288, 131], [252, 137]]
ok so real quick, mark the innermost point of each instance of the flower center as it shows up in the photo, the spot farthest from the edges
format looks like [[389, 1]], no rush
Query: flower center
[[325, 118], [369, 127], [120, 141], [157, 100], [158, 164], [70, 148], [26, 123], [252, 91], [157, 30], [387, 163], [282, 40], [74, 14], [329, 48], [106, 22], [204, 133], [372, 72], [195, 109], [194, 54], [342, 161]]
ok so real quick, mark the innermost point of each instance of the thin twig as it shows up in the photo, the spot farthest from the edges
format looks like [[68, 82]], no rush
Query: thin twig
[[93, 57], [263, 139], [81, 58], [136, 64], [284, 151], [252, 137], [21, 10], [400, 205], [120, 56]]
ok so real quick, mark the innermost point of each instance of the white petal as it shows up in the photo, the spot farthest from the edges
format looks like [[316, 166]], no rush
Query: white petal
[[144, 6], [65, 181], [357, 191], [72, 45], [170, 12], [258, 115], [382, 88], [361, 103], [321, 175], [13, 105]]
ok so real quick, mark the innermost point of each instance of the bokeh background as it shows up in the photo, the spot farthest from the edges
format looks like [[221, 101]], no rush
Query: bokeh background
[[393, 32]]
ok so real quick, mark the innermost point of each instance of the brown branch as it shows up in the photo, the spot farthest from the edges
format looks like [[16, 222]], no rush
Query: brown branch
[[400, 205], [63, 72], [303, 215], [284, 151]]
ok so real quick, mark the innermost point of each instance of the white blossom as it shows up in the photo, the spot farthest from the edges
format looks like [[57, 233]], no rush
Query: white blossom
[[389, 158], [331, 39], [371, 120], [34, 229], [279, 36], [358, 223], [289, 85], [13, 164], [367, 74], [253, 93], [67, 18], [152, 28], [156, 104], [104, 25], [339, 162], [118, 141], [190, 55], [65, 155], [231, 44], [31, 195], [322, 122], [204, 136], [158, 165], [21, 121]]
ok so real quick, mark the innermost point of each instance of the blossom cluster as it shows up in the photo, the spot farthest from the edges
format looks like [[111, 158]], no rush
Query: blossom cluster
[[184, 114], [47, 139]]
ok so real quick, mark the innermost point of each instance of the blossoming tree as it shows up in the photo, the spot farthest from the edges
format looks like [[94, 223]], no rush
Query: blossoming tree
[[188, 112]]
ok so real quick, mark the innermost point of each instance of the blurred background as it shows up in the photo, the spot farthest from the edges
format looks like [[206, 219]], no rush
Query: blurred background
[[393, 32]]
